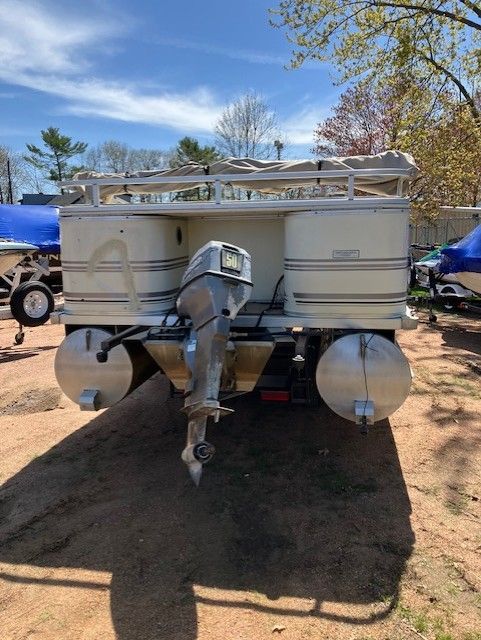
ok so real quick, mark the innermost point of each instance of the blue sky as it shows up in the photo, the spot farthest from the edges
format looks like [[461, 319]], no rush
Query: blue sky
[[149, 72]]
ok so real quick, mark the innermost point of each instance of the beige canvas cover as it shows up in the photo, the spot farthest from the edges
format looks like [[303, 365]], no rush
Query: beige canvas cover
[[376, 185]]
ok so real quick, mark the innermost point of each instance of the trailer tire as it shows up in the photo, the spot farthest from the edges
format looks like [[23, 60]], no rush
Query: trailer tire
[[31, 303], [449, 306]]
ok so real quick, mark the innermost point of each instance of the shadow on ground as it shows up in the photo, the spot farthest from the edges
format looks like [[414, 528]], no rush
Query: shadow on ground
[[296, 503], [12, 353], [460, 338]]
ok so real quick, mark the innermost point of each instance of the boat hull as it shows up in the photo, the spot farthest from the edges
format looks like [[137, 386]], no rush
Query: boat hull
[[470, 280], [13, 253]]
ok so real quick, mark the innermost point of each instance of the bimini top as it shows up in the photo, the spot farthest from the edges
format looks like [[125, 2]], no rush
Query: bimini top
[[385, 174]]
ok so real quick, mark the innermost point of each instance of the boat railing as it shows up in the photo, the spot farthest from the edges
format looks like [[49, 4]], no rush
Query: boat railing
[[93, 185]]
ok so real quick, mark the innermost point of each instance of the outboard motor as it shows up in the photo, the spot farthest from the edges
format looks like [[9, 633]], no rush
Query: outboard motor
[[215, 286]]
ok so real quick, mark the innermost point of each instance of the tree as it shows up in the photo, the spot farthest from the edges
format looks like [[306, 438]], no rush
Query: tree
[[248, 128], [12, 175], [448, 153], [118, 157], [433, 42], [189, 150], [370, 118], [148, 159], [446, 142], [359, 124], [54, 159]]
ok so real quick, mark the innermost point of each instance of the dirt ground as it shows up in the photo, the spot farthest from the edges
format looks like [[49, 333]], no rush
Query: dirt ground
[[302, 528]]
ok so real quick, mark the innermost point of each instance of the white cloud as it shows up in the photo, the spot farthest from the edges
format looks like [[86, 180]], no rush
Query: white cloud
[[36, 40], [299, 128], [43, 50], [255, 57], [50, 47], [195, 111]]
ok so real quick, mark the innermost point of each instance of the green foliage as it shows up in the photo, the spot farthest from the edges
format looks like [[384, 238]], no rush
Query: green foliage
[[385, 38], [439, 131], [53, 160], [419, 621], [448, 151], [189, 150]]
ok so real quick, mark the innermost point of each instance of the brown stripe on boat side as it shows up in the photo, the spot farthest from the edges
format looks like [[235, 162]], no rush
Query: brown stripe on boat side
[[163, 261], [347, 268], [118, 296], [118, 268], [369, 302], [350, 260], [349, 296]]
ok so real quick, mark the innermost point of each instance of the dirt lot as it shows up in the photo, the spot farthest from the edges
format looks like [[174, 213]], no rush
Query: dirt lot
[[301, 528]]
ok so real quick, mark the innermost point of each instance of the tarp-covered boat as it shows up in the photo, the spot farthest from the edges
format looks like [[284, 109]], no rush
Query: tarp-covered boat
[[464, 259], [37, 225]]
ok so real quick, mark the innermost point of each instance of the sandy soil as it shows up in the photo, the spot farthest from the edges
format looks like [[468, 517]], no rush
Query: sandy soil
[[301, 528]]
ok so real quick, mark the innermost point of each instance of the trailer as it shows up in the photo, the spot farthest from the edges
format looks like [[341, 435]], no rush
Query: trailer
[[246, 289], [31, 300]]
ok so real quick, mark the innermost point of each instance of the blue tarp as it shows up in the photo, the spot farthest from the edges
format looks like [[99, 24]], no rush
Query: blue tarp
[[465, 255], [34, 224]]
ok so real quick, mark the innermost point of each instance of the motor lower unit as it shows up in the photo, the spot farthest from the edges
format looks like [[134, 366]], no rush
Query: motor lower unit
[[215, 286], [363, 377]]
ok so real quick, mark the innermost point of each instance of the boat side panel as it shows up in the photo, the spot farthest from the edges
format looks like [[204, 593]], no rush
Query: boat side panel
[[347, 265], [122, 265]]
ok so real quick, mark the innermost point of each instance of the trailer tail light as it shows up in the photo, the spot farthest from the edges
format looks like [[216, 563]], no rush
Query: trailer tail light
[[275, 396]]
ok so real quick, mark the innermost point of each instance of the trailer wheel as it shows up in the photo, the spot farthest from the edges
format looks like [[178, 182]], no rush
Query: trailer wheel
[[449, 306], [32, 303]]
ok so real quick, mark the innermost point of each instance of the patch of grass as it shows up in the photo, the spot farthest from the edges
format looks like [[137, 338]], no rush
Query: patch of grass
[[474, 635], [469, 388], [430, 490], [420, 292], [44, 616], [419, 621], [453, 589], [458, 506]]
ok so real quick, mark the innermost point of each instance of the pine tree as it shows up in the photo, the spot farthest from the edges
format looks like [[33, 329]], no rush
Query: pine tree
[[53, 160]]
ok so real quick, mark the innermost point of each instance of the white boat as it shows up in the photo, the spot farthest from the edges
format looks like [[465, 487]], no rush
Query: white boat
[[294, 298], [11, 253], [431, 261]]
